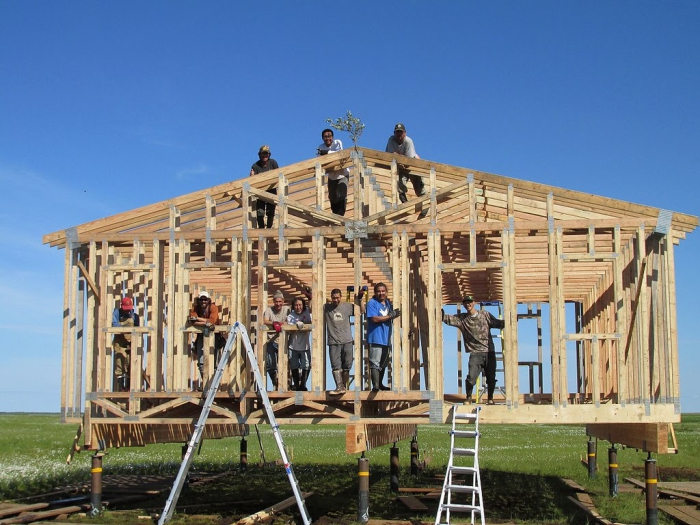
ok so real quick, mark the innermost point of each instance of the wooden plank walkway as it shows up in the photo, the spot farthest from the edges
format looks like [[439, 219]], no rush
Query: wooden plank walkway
[[412, 503], [662, 490], [690, 515], [691, 487]]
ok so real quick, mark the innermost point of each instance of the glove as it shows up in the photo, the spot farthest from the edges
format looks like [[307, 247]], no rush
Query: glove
[[277, 326], [300, 325], [395, 313], [442, 314], [193, 319], [307, 293]]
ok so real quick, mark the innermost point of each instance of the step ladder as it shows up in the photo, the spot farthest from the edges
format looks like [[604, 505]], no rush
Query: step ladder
[[463, 465], [193, 444]]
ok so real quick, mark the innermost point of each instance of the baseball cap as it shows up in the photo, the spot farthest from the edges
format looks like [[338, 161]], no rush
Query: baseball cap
[[278, 294], [264, 149], [203, 294], [399, 127], [467, 299], [127, 304]]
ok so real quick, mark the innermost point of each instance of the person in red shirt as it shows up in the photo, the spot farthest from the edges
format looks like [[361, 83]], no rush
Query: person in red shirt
[[205, 314]]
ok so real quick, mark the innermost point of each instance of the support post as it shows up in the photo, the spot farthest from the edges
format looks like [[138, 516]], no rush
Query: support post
[[651, 490], [612, 471], [591, 459], [244, 454], [96, 484], [394, 468], [414, 456], [363, 489]]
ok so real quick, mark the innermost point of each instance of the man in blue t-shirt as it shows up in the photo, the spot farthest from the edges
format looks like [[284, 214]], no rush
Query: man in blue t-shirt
[[380, 314]]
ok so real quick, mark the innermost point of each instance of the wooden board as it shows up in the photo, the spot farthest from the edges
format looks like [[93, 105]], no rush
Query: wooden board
[[666, 489], [683, 513], [648, 437], [412, 502]]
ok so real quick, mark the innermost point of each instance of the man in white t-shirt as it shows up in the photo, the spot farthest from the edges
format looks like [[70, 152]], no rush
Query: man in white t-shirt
[[337, 180]]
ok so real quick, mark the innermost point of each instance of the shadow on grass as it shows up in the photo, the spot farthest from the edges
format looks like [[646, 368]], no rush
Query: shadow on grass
[[508, 497]]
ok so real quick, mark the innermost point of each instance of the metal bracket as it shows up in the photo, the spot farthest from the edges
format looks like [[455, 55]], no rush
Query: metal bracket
[[356, 230], [663, 223], [72, 238], [435, 411]]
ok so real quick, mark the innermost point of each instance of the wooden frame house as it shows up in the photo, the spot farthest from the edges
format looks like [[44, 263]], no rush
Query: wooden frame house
[[598, 271]]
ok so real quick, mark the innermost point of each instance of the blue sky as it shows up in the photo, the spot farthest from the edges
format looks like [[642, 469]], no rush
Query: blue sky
[[107, 106]]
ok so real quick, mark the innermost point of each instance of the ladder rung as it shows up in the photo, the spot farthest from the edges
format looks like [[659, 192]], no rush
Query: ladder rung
[[463, 470], [470, 417], [455, 507], [463, 451], [465, 433], [462, 488]]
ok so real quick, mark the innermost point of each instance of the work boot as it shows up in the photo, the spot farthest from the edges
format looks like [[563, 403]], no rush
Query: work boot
[[295, 379], [382, 386], [374, 376], [339, 384], [490, 391], [468, 389], [304, 378], [346, 379]]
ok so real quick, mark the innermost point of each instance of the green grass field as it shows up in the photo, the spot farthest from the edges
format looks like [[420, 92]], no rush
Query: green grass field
[[521, 469]]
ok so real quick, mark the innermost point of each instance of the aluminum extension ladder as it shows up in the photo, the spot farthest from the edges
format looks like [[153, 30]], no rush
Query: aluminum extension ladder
[[196, 438], [468, 471]]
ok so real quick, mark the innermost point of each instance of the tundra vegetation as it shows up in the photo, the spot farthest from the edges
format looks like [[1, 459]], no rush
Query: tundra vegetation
[[522, 467]]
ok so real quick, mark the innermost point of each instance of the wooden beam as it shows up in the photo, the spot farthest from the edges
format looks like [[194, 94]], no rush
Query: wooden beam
[[363, 437], [648, 437]]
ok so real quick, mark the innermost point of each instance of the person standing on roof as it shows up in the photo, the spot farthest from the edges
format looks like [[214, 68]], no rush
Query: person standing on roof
[[402, 144], [475, 326], [337, 180], [264, 208], [380, 314], [124, 316], [204, 315], [273, 318]]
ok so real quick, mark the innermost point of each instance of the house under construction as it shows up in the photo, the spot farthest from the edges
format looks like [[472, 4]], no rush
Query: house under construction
[[597, 275]]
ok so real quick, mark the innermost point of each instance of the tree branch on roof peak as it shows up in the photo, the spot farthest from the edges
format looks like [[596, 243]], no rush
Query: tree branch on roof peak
[[349, 123]]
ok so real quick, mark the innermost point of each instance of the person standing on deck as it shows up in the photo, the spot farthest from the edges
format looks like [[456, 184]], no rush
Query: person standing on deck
[[475, 326], [380, 314]]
